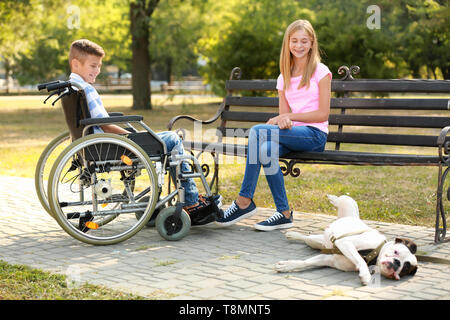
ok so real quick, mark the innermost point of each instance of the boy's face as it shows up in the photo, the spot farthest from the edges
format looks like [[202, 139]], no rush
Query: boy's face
[[89, 68]]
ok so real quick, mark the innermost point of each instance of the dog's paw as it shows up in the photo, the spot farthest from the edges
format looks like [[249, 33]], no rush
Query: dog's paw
[[289, 265], [293, 235], [365, 278], [283, 266]]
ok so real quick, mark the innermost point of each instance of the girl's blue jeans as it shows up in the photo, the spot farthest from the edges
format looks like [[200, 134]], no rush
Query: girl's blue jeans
[[175, 146], [266, 143]]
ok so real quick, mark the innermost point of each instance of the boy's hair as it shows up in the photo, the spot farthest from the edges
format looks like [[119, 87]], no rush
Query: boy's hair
[[286, 59], [80, 49]]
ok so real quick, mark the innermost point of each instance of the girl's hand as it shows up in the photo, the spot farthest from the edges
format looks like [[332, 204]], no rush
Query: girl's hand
[[284, 122], [273, 120]]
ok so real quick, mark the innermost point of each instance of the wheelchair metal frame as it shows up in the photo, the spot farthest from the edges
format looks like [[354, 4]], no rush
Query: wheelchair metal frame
[[164, 163]]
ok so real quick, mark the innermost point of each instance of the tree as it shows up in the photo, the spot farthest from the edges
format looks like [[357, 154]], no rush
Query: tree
[[176, 28], [18, 25], [250, 38], [50, 25], [140, 13]]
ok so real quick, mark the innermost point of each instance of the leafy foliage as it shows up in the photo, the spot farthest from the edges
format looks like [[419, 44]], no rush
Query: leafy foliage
[[412, 40]]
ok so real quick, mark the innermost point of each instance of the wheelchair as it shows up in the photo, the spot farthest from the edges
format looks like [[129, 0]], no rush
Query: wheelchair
[[103, 188]]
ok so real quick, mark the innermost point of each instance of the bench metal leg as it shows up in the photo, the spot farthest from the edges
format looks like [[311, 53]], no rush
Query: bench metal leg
[[440, 233]]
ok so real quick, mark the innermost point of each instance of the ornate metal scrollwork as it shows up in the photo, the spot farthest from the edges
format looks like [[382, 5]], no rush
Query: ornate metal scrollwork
[[205, 169], [440, 233], [236, 74], [348, 72], [288, 168]]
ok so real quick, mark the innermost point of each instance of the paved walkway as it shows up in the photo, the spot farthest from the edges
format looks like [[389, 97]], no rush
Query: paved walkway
[[232, 263]]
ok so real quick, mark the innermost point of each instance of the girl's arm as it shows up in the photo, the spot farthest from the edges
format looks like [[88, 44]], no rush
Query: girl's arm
[[283, 108]]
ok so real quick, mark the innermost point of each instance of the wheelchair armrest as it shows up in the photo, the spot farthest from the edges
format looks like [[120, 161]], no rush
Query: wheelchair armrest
[[109, 120], [115, 114]]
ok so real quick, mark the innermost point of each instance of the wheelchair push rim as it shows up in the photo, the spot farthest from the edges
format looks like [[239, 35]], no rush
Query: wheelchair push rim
[[96, 173]]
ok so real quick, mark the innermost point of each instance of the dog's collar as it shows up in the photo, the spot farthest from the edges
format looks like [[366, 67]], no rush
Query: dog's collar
[[374, 253]]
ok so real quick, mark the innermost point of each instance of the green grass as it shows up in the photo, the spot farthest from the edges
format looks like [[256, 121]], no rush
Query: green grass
[[18, 282]]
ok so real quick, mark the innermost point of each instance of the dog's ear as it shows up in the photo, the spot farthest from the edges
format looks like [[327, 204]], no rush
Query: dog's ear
[[408, 243], [408, 269]]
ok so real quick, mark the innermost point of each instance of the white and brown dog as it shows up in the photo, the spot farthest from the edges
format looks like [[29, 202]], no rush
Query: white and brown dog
[[348, 244]]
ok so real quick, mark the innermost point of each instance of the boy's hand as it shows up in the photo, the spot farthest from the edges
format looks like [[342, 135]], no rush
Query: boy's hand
[[112, 128]]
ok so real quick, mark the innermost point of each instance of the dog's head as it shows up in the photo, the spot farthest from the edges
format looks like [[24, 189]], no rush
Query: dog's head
[[346, 205], [397, 259]]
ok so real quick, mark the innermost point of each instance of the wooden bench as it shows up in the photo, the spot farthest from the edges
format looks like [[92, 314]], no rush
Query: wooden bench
[[419, 123]]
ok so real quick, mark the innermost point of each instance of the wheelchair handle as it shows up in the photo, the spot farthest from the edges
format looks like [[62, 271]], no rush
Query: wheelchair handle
[[58, 85], [44, 85]]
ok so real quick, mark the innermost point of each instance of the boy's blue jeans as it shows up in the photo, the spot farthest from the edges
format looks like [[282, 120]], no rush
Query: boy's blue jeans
[[175, 145], [266, 143]]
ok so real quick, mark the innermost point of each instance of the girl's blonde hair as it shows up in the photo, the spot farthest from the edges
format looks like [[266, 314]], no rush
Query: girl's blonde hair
[[286, 60]]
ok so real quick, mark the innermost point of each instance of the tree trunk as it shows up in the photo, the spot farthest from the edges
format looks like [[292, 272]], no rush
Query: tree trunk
[[8, 78], [140, 61], [169, 70]]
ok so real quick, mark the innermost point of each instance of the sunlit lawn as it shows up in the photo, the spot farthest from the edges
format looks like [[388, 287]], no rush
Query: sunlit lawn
[[393, 194]]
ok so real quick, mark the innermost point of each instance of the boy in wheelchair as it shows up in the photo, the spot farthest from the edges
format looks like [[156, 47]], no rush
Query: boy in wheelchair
[[85, 59]]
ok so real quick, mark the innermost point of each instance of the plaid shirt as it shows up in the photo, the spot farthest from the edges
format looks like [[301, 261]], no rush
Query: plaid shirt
[[95, 104]]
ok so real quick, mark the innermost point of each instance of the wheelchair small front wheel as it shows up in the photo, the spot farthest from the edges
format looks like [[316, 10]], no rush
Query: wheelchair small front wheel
[[172, 227]]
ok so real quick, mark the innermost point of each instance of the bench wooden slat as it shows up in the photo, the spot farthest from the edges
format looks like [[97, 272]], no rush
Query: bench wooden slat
[[247, 116], [354, 137], [361, 85], [327, 156], [390, 104], [383, 139], [355, 120], [349, 103], [390, 121]]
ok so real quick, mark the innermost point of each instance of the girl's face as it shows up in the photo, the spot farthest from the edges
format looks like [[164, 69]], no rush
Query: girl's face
[[300, 44]]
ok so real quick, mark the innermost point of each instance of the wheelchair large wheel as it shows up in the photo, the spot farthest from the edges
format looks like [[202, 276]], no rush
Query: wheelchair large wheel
[[44, 166], [98, 177], [172, 227]]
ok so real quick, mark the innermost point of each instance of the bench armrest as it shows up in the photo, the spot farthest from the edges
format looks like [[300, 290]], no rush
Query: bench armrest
[[109, 120], [214, 118]]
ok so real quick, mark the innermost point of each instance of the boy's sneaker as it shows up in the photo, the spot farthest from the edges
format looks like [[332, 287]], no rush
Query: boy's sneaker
[[234, 214], [203, 212], [217, 199], [276, 221]]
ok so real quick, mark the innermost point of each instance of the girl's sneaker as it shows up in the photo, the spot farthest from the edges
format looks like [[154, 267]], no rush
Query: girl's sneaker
[[276, 221], [234, 214]]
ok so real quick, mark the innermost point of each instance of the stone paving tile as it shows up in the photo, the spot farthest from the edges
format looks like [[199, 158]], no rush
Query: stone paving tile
[[209, 263]]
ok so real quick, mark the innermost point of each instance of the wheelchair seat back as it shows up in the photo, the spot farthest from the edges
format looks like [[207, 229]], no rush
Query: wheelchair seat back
[[75, 109]]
